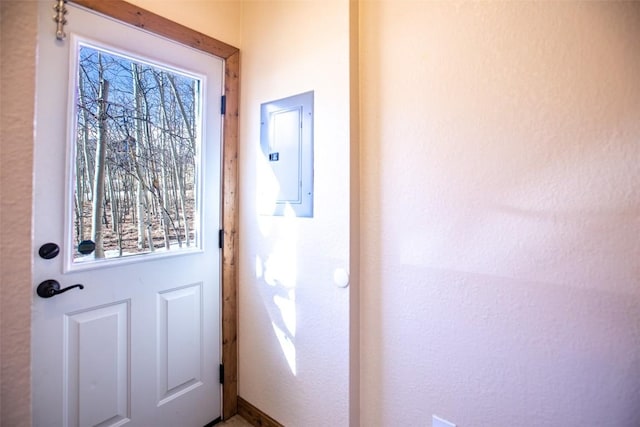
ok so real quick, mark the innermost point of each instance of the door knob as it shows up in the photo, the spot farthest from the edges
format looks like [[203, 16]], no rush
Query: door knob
[[51, 287]]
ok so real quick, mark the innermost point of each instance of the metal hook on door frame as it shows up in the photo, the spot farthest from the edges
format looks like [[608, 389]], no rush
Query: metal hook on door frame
[[61, 11]]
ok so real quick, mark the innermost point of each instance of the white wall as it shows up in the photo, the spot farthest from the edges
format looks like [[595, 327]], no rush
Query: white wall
[[286, 263], [500, 213]]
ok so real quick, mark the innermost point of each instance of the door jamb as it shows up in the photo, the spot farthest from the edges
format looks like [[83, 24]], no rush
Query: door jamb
[[141, 18]]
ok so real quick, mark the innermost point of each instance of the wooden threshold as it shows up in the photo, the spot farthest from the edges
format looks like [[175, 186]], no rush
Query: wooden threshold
[[149, 21], [254, 415]]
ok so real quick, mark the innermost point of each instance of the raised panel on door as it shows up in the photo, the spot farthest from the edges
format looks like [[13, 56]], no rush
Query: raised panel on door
[[180, 348], [96, 360]]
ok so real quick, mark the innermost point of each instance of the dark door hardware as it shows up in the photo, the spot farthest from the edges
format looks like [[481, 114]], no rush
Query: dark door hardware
[[86, 247], [49, 250], [50, 288]]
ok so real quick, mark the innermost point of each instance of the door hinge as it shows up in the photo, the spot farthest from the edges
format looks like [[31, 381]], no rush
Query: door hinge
[[220, 238], [221, 373], [223, 104]]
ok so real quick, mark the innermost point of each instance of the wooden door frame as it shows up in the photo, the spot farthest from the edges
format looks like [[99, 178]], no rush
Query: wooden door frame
[[164, 27]]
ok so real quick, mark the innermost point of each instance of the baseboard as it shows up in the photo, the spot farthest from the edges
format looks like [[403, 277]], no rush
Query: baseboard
[[214, 422], [254, 415]]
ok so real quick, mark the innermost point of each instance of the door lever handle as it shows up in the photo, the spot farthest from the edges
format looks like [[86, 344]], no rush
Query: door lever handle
[[51, 287]]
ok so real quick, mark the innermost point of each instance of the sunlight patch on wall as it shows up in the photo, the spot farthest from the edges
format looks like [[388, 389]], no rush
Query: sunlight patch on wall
[[287, 308], [286, 337], [279, 272]]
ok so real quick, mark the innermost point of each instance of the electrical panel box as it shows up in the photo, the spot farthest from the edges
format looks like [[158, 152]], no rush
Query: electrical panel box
[[286, 140]]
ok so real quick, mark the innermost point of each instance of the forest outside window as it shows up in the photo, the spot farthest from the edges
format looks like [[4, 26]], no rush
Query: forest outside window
[[135, 157]]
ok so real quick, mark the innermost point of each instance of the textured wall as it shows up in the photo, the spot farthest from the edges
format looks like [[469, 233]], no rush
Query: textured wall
[[294, 320], [501, 213], [18, 32], [216, 18]]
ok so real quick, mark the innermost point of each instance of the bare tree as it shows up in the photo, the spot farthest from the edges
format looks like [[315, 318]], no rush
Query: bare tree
[[135, 154], [98, 182]]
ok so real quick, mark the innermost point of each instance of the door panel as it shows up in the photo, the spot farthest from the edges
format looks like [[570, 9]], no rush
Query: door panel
[[98, 337], [179, 345], [140, 344]]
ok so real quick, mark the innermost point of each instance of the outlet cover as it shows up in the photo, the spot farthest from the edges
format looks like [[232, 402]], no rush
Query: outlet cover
[[439, 422]]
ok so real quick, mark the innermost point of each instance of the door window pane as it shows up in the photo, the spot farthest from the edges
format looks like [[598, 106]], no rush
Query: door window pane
[[136, 157]]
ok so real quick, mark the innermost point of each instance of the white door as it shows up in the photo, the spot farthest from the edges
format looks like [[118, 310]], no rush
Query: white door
[[139, 344]]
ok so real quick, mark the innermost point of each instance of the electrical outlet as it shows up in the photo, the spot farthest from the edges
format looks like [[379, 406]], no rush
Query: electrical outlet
[[439, 422]]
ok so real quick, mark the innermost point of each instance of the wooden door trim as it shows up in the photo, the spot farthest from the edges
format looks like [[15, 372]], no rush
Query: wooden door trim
[[164, 27], [255, 416]]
